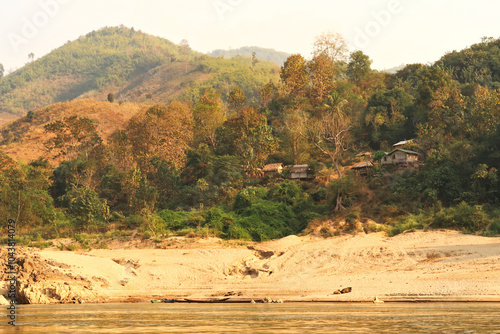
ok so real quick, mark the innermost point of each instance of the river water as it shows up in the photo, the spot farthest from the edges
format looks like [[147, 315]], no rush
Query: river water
[[258, 318]]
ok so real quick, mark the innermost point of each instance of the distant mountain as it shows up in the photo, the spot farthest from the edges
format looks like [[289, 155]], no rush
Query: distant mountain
[[133, 65], [276, 57], [393, 70]]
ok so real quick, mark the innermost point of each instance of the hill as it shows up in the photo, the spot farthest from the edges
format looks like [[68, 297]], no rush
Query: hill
[[276, 57], [133, 65], [480, 63], [24, 138]]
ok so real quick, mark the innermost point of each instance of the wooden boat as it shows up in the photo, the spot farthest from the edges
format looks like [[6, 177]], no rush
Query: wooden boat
[[215, 300]]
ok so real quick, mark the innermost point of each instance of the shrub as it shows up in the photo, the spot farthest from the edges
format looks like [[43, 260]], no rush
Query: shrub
[[464, 216], [85, 206], [219, 221], [134, 221], [174, 220], [287, 192], [408, 223], [493, 229], [247, 196]]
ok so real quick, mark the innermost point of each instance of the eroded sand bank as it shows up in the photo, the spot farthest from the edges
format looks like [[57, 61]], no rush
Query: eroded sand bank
[[437, 265]]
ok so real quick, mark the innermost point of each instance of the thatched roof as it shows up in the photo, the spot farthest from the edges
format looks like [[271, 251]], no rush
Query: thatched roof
[[272, 167], [366, 164]]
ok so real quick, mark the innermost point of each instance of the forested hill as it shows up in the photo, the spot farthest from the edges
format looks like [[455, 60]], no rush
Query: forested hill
[[478, 64], [276, 57], [227, 164], [134, 66]]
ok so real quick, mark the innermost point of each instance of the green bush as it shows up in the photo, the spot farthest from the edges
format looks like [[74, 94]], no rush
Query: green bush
[[177, 220], [265, 220], [247, 196], [84, 206], [286, 192], [493, 229], [464, 216], [408, 223], [134, 221], [219, 221]]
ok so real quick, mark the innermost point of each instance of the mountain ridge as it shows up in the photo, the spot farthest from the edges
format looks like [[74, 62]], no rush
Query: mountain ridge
[[133, 65]]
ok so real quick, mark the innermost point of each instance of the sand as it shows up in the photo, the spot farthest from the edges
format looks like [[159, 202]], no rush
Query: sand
[[418, 266]]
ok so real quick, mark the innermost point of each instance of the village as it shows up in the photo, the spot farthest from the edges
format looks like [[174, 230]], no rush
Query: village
[[400, 157]]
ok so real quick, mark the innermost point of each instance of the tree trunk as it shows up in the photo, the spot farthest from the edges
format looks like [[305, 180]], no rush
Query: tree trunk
[[338, 205]]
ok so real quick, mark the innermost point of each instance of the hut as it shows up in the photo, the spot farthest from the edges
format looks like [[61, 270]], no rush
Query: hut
[[363, 168], [271, 169], [300, 172], [400, 157]]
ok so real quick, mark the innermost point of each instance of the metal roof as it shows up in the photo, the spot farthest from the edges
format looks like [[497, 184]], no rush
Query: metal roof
[[299, 168], [402, 150]]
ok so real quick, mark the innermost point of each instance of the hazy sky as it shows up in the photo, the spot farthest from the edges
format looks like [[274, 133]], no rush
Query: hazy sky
[[391, 32]]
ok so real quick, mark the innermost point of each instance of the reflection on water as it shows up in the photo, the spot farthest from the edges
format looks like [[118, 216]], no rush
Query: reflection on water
[[258, 318]]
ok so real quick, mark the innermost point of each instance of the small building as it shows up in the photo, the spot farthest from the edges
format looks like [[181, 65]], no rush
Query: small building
[[400, 156], [363, 168], [271, 169], [300, 172]]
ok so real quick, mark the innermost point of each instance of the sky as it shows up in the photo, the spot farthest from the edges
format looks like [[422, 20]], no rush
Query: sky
[[390, 32]]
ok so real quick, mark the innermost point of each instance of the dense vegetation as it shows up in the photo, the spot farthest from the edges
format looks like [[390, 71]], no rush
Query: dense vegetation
[[194, 168], [119, 59]]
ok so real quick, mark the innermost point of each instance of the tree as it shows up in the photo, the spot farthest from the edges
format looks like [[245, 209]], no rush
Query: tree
[[268, 93], [71, 136], [31, 56], [294, 75], [384, 117], [24, 192], [2, 71], [185, 48], [329, 132], [163, 132], [237, 98], [85, 206], [111, 97], [295, 143], [247, 136], [254, 59], [358, 67], [208, 115], [332, 45], [322, 72]]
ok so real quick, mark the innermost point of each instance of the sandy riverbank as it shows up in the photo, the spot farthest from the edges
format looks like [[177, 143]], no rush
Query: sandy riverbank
[[437, 265]]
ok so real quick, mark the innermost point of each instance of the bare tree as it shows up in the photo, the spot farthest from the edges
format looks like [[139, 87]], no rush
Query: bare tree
[[332, 44], [329, 132]]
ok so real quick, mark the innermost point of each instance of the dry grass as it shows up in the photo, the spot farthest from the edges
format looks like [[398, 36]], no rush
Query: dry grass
[[30, 136]]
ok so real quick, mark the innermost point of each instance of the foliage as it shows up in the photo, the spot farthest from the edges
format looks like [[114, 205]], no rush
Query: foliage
[[247, 136], [85, 207], [194, 168], [464, 216]]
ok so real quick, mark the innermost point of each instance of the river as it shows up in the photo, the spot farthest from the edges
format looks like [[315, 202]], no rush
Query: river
[[258, 318]]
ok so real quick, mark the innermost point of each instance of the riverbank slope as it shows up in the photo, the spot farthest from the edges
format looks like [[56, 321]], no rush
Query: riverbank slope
[[436, 265]]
